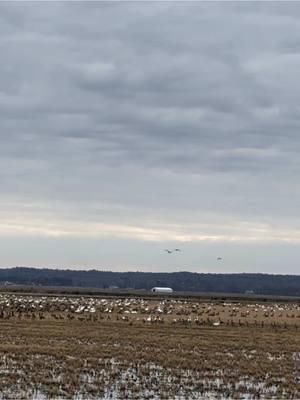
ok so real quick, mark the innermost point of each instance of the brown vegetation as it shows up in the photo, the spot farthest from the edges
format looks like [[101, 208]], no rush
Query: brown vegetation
[[131, 348]]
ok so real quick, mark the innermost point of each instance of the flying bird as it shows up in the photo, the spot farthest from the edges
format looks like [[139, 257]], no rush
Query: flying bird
[[219, 258], [171, 251]]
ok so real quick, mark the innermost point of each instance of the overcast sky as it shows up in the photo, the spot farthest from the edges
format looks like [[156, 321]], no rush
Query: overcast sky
[[129, 128]]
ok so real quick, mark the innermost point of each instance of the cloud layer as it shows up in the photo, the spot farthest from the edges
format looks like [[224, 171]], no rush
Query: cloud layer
[[154, 121]]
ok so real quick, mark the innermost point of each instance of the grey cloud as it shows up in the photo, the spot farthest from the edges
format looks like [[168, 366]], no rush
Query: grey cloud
[[160, 110]]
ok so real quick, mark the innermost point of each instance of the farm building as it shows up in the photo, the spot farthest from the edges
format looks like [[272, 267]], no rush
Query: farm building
[[162, 290]]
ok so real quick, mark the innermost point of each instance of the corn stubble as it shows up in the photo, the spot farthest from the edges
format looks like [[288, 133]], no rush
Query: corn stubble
[[64, 354]]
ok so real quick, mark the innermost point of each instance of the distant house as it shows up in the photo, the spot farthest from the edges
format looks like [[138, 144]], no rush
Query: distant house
[[249, 291], [162, 290]]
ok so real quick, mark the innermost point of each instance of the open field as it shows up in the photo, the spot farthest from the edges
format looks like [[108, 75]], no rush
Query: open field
[[143, 293], [93, 347]]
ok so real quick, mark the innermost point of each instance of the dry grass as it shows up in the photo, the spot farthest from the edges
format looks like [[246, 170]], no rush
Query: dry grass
[[52, 350]]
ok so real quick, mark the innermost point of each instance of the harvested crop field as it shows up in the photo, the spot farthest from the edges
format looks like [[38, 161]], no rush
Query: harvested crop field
[[85, 347]]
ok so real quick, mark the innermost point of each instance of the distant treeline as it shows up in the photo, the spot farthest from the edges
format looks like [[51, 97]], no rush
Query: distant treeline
[[282, 285]]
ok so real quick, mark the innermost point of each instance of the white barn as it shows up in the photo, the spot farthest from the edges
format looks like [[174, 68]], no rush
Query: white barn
[[162, 290]]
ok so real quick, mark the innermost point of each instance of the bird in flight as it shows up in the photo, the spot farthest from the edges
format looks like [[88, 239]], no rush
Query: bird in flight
[[219, 258], [171, 251]]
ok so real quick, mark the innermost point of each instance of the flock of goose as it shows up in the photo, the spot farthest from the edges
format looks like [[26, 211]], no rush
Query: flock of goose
[[139, 309]]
